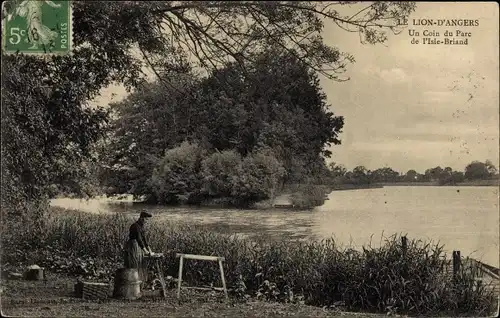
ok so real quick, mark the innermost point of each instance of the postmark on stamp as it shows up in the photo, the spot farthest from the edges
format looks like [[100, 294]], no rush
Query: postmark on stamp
[[37, 27]]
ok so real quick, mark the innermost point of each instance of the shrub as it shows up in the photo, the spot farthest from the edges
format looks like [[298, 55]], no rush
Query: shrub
[[218, 171], [258, 178], [308, 195], [177, 177], [187, 174]]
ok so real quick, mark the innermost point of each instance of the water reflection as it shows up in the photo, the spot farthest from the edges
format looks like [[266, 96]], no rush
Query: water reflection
[[467, 220]]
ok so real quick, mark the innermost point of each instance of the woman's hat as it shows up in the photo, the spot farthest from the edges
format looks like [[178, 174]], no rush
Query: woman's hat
[[145, 214]]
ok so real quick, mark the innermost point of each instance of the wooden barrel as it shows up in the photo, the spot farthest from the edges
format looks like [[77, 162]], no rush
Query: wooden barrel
[[127, 284]]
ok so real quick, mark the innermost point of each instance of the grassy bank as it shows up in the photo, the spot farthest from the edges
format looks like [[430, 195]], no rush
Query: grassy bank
[[480, 183], [315, 273], [473, 183], [410, 184], [340, 187]]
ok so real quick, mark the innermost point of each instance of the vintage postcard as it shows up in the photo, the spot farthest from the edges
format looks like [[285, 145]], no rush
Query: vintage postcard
[[250, 159]]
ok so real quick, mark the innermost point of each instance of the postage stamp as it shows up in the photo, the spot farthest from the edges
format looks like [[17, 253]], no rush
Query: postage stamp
[[37, 27]]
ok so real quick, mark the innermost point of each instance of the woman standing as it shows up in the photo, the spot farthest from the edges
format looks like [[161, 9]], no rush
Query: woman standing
[[137, 246]]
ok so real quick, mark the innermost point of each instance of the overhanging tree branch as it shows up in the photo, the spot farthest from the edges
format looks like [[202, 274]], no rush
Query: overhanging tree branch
[[225, 32]]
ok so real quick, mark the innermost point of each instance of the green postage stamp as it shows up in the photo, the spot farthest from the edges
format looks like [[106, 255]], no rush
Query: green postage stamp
[[37, 27]]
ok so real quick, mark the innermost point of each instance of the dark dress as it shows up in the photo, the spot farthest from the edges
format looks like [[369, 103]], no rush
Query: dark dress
[[134, 255]]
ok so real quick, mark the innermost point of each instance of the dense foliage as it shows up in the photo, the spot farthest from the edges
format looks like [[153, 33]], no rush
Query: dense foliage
[[388, 279], [477, 170], [246, 128], [49, 130]]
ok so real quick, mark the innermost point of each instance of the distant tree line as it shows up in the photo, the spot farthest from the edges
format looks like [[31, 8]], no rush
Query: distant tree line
[[475, 170]]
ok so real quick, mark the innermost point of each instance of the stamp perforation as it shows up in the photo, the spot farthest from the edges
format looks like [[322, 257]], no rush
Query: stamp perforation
[[40, 52]]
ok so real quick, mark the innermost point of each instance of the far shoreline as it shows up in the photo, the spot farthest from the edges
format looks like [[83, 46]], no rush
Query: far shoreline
[[477, 183]]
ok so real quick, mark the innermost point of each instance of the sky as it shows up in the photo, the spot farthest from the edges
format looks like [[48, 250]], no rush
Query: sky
[[410, 106]]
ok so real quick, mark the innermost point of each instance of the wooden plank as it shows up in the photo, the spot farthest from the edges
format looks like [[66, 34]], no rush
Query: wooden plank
[[404, 243], [223, 278], [154, 256], [203, 288], [485, 275], [162, 279], [457, 261], [200, 257], [179, 282], [488, 269]]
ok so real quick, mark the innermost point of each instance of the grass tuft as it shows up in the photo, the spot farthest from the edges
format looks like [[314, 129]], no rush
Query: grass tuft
[[321, 273]]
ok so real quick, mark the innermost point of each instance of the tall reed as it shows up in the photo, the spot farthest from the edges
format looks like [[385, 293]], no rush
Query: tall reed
[[385, 279]]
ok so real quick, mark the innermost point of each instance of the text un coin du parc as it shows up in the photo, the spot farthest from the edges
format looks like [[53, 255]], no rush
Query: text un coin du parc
[[441, 31]]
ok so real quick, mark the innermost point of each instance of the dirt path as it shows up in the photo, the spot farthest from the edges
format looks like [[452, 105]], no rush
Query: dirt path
[[53, 299]]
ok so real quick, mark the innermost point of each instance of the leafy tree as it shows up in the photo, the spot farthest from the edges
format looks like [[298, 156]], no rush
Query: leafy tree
[[360, 175], [221, 31], [177, 177], [258, 178], [47, 126], [337, 170], [187, 174], [385, 174], [492, 170], [44, 101], [477, 170], [433, 174], [46, 131], [154, 118], [457, 176], [219, 171], [411, 176], [282, 104], [286, 112]]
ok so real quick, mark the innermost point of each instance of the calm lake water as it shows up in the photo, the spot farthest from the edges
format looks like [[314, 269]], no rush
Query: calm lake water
[[461, 218]]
